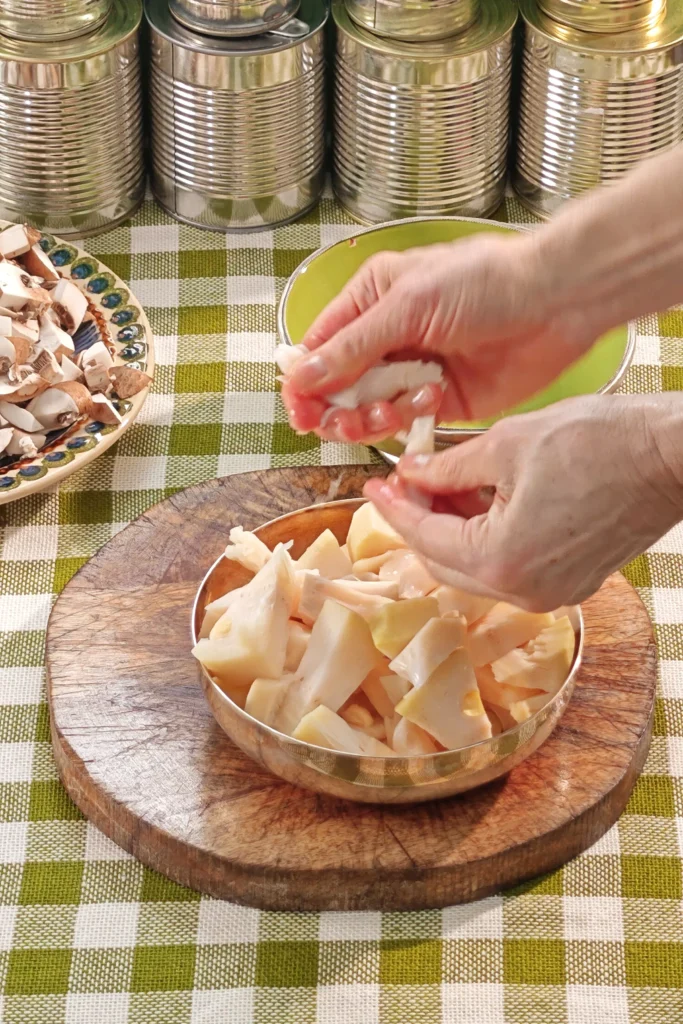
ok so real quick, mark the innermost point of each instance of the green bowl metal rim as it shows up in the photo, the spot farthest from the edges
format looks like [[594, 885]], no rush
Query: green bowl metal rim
[[444, 434]]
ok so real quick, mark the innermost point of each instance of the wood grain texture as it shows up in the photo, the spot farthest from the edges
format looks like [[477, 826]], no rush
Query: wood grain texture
[[140, 753]]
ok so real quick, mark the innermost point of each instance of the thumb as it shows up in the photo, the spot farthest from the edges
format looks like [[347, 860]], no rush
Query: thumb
[[463, 467]]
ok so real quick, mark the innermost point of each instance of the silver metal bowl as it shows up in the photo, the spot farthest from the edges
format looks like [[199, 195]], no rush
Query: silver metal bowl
[[375, 780]]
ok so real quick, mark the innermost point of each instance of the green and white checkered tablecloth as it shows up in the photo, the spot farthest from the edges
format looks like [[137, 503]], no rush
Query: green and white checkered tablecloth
[[89, 936]]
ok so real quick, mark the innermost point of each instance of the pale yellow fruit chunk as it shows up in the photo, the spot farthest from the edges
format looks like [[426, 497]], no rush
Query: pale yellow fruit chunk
[[360, 597], [429, 648], [448, 705], [324, 728], [543, 663], [390, 724], [409, 740], [370, 534], [501, 694], [297, 644], [503, 628], [339, 656], [394, 625], [406, 569], [373, 565], [453, 600], [357, 716], [396, 688], [265, 697], [526, 709], [247, 549], [215, 610], [374, 689], [500, 715], [325, 555]]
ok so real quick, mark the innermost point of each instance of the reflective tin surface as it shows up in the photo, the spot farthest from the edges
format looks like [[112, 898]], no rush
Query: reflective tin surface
[[592, 105], [45, 20], [605, 15], [232, 17], [237, 125], [422, 128], [414, 20], [71, 128]]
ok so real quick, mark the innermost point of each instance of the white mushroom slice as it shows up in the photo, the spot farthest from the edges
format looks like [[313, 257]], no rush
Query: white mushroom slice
[[21, 418], [128, 381], [29, 330], [5, 437], [54, 409], [104, 412], [39, 264], [385, 381], [28, 386], [80, 394], [17, 240], [25, 445], [70, 304], [287, 355], [15, 286], [6, 324], [8, 354], [45, 363], [70, 370], [96, 363], [53, 337]]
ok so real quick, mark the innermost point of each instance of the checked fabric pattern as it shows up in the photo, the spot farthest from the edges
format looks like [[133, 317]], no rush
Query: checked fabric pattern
[[89, 936]]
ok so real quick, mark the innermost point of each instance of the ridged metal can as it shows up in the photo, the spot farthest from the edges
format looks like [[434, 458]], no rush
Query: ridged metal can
[[592, 106], [605, 15], [238, 138], [233, 17], [422, 128], [51, 20], [71, 128], [414, 20]]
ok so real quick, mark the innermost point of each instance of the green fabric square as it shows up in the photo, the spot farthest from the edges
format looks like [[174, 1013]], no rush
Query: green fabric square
[[18, 650], [410, 1004], [651, 878], [46, 926], [202, 320], [671, 323], [287, 965], [287, 440], [672, 378], [10, 884], [538, 1004], [118, 262], [410, 962], [38, 972], [202, 263], [49, 801], [161, 968], [194, 378], [472, 961], [637, 572], [349, 963], [653, 794], [654, 964], [157, 889], [533, 962], [545, 885], [101, 970], [659, 725], [229, 965], [162, 1008], [285, 261], [47, 882], [18, 723], [64, 570], [195, 439], [31, 577], [85, 507]]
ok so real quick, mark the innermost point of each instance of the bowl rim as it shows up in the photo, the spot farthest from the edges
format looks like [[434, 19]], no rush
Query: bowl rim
[[365, 758], [445, 433]]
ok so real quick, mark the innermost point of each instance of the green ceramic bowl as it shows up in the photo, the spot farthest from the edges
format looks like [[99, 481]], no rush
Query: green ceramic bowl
[[323, 274]]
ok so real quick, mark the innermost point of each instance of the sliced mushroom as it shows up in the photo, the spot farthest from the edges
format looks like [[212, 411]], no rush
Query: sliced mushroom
[[54, 409], [80, 394], [128, 381], [96, 363], [22, 390], [25, 445], [8, 354], [70, 370], [39, 264], [5, 438], [15, 286], [104, 412], [29, 329], [21, 418], [45, 363], [17, 240], [70, 304], [54, 338], [6, 323]]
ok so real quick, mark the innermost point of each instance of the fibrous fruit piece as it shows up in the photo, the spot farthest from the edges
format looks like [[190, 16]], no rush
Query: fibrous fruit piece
[[287, 355], [265, 697], [371, 565], [437, 639], [386, 381], [448, 705], [17, 240], [69, 304], [326, 555], [394, 625], [420, 437], [374, 689], [215, 610], [364, 598], [323, 728], [409, 573], [526, 709], [128, 381], [543, 663], [96, 362], [370, 534], [298, 639], [451, 599], [503, 628], [339, 656], [357, 716], [501, 694], [410, 740], [247, 549]]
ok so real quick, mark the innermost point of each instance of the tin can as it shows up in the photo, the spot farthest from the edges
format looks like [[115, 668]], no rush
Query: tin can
[[71, 128], [422, 129], [51, 20], [592, 106], [233, 17], [414, 20], [605, 15], [238, 137]]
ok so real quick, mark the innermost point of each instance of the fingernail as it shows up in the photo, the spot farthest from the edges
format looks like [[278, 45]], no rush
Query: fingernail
[[387, 493], [310, 372], [378, 418], [416, 461], [423, 400]]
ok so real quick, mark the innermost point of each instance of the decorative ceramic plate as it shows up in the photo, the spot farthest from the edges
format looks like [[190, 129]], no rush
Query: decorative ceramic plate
[[120, 322]]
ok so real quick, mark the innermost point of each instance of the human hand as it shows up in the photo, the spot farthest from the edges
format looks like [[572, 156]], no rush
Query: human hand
[[480, 306], [580, 488]]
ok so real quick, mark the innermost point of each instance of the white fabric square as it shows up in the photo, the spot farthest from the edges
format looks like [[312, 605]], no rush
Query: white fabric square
[[257, 240], [13, 836], [671, 679], [21, 685], [352, 1004], [7, 919], [97, 1008], [679, 829], [227, 1006], [647, 351], [30, 543], [597, 1004], [150, 238], [165, 349], [24, 611], [229, 464], [607, 845], [331, 233], [480, 1003], [139, 473], [256, 289], [333, 453], [16, 762], [248, 407], [106, 925], [221, 922], [593, 918], [350, 926], [158, 410], [251, 347], [99, 847], [668, 604], [671, 543], [161, 292], [480, 920], [675, 748]]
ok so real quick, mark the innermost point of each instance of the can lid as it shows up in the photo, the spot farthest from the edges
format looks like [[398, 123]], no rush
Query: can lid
[[122, 21], [311, 17], [659, 35], [496, 18]]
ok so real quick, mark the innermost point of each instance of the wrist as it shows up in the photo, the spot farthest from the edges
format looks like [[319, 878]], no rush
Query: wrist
[[662, 428]]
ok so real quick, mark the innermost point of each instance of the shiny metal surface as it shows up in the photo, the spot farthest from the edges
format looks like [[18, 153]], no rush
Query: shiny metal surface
[[232, 17], [414, 20], [592, 106], [71, 128], [368, 779], [605, 15], [422, 128], [45, 20], [237, 125]]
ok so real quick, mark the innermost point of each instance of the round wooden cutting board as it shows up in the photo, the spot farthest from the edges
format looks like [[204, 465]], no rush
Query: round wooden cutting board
[[140, 753]]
